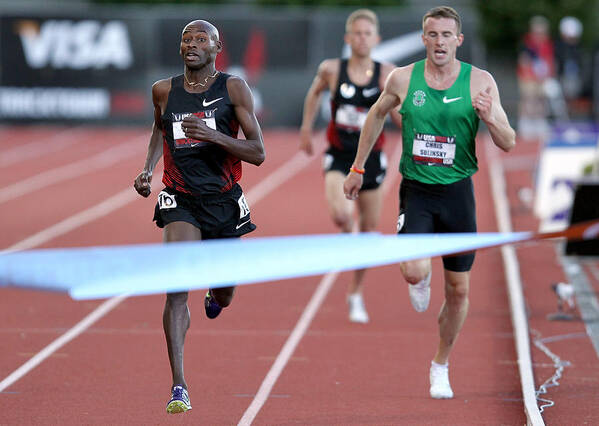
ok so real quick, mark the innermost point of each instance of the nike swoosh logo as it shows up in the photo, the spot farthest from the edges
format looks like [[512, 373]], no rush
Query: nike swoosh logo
[[369, 92], [446, 101], [204, 103], [241, 224]]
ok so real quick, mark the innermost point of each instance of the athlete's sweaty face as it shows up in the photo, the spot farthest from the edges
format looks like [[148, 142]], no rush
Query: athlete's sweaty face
[[362, 37], [441, 39], [199, 44]]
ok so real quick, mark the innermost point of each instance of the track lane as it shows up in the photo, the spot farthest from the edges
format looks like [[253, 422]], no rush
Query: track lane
[[540, 266], [114, 238], [391, 386], [228, 358]]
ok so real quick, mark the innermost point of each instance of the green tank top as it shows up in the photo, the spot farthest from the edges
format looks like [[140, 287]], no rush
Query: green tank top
[[438, 129]]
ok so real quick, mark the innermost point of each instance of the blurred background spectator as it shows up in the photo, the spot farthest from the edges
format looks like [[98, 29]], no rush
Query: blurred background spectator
[[574, 68], [536, 66], [568, 57]]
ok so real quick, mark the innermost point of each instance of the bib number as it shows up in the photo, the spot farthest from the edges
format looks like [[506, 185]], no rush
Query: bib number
[[244, 208], [351, 117], [166, 201]]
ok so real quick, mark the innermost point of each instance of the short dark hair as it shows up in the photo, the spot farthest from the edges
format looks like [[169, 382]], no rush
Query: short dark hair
[[444, 12]]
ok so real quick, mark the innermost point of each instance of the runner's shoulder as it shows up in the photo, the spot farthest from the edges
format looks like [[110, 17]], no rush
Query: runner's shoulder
[[399, 78], [480, 79], [481, 75], [329, 67], [161, 88]]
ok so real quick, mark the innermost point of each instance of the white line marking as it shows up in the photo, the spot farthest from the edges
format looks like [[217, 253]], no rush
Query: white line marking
[[102, 209], [69, 171], [302, 325], [514, 284], [79, 328], [288, 348], [54, 143], [279, 176]]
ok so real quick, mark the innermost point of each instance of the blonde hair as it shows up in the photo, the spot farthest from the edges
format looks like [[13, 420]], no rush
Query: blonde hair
[[367, 14], [444, 12]]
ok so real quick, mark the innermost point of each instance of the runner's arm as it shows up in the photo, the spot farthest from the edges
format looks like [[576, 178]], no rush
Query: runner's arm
[[386, 69], [375, 119], [312, 102], [250, 149], [488, 106], [142, 183]]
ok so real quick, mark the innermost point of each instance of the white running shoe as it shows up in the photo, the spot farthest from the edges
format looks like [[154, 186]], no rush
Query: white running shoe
[[420, 294], [357, 311], [439, 377]]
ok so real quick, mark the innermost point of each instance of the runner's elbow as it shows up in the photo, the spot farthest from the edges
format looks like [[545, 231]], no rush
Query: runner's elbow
[[259, 158], [511, 143], [509, 147]]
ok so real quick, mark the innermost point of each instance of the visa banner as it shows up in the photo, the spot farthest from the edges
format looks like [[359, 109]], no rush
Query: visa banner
[[71, 68]]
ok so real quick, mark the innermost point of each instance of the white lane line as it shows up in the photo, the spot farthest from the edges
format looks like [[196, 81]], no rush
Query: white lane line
[[302, 325], [278, 177], [56, 142], [69, 171], [81, 326], [84, 217], [288, 348], [514, 285], [282, 174], [102, 209]]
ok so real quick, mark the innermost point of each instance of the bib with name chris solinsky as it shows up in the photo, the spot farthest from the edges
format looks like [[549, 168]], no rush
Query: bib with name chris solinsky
[[439, 130]]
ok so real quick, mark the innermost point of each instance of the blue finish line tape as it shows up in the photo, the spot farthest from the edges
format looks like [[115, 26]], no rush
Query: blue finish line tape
[[101, 272]]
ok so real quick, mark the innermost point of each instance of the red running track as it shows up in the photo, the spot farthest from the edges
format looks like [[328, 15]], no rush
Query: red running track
[[116, 371]]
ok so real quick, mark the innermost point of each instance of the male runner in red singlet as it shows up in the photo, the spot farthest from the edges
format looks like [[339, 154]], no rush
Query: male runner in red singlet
[[197, 116], [355, 84]]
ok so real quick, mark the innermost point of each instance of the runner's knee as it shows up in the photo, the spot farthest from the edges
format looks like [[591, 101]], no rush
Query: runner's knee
[[368, 225], [342, 219], [413, 274], [456, 292]]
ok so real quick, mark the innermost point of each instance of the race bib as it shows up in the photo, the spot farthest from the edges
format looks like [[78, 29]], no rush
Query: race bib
[[433, 150], [179, 135], [244, 208], [351, 117], [166, 201]]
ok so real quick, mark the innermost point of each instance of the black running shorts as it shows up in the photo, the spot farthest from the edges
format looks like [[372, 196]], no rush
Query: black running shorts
[[438, 208], [224, 215], [376, 166]]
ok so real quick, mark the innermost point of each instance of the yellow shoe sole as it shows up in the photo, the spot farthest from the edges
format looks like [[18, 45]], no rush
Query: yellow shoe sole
[[176, 407]]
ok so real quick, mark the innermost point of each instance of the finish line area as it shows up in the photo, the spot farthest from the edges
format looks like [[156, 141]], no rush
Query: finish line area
[[333, 371]]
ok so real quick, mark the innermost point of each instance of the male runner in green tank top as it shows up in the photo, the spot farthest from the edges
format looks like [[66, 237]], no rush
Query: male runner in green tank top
[[441, 100]]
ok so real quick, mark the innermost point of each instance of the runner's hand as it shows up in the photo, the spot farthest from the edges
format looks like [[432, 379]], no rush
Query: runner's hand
[[306, 141], [142, 183], [196, 128], [483, 104], [352, 185]]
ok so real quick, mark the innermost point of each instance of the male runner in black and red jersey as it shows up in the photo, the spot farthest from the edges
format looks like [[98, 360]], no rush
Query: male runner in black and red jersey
[[355, 84], [197, 116]]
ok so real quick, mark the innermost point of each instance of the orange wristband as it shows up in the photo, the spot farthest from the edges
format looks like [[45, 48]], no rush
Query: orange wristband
[[356, 170]]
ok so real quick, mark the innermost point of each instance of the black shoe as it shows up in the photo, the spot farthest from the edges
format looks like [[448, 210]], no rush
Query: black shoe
[[212, 308]]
